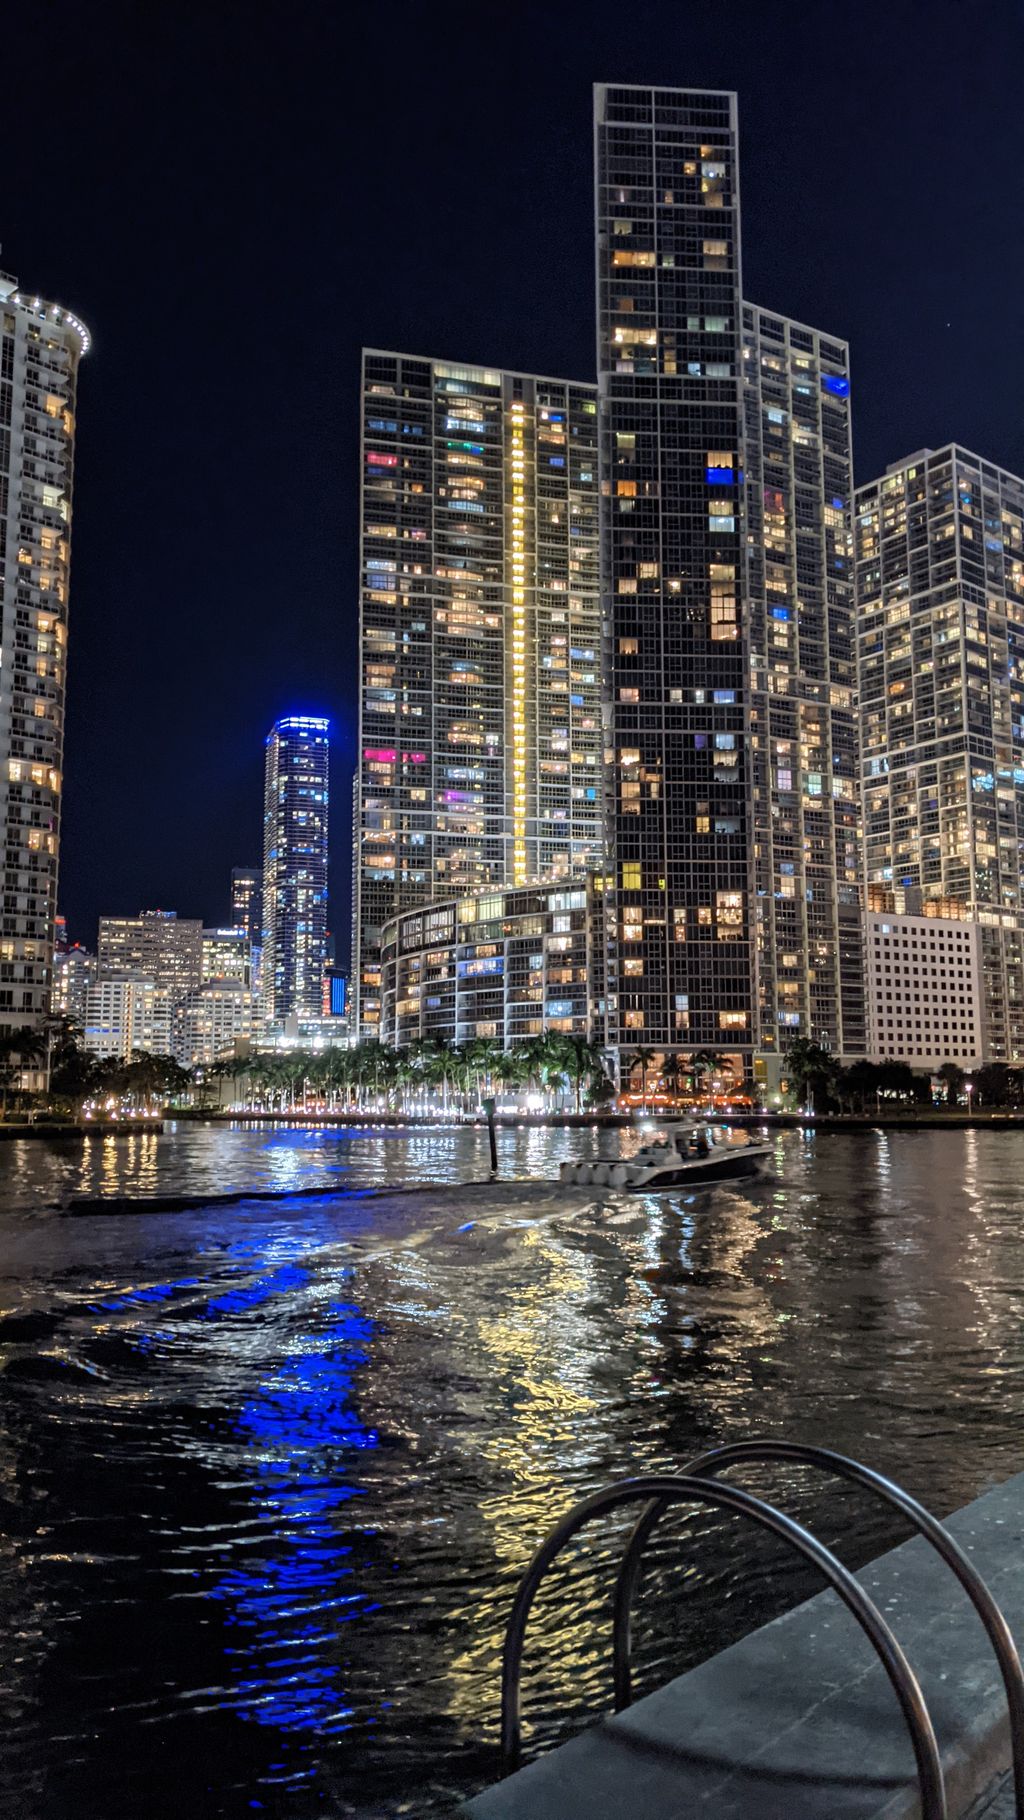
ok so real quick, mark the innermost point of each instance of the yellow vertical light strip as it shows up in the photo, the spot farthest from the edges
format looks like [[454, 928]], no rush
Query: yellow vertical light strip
[[518, 541]]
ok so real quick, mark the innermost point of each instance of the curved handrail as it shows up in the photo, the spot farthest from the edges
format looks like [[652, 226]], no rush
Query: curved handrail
[[999, 1633], [676, 1489]]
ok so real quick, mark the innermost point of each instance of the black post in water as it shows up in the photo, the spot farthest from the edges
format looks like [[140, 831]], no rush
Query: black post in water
[[488, 1106]]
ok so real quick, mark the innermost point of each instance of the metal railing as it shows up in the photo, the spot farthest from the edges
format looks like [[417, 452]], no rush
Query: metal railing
[[661, 1490], [823, 1459]]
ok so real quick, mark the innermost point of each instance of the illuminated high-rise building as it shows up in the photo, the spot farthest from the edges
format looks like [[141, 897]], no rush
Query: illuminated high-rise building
[[74, 971], [480, 740], [157, 945], [725, 463], [805, 818], [247, 901], [940, 620], [41, 345], [294, 870]]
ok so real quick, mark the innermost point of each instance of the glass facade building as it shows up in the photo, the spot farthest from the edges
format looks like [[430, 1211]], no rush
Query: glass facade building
[[798, 484], [507, 965], [939, 549], [726, 480], [669, 367], [296, 798], [480, 722], [40, 348]]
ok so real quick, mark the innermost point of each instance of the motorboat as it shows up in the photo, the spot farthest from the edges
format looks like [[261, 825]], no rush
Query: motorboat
[[690, 1156]]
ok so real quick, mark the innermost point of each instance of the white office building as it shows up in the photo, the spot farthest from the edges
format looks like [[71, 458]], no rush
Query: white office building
[[924, 991]]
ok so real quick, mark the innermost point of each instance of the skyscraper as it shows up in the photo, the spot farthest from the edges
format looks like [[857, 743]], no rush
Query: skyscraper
[[295, 869], [40, 348], [725, 471], [940, 616], [669, 366], [247, 901], [157, 945], [480, 727], [798, 481]]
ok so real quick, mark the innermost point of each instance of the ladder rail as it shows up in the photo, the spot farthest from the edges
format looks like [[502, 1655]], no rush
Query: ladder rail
[[717, 1459], [665, 1489]]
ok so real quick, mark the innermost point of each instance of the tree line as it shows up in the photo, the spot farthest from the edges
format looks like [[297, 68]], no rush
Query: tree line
[[816, 1075]]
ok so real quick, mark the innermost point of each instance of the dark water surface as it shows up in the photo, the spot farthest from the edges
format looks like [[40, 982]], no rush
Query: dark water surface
[[269, 1473]]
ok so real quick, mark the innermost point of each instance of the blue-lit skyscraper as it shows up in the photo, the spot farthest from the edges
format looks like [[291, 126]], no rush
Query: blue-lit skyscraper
[[295, 870]]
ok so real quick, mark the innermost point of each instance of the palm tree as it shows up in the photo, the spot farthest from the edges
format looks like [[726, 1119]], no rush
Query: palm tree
[[583, 1060], [510, 1068], [954, 1078], [18, 1049], [642, 1059], [480, 1056], [705, 1062]]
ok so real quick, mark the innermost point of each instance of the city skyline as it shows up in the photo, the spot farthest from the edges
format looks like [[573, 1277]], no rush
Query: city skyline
[[889, 282]]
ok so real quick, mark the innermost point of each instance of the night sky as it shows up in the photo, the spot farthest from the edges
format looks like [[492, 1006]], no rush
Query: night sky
[[236, 198]]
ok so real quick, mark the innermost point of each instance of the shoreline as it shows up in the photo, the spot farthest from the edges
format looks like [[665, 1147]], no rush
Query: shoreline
[[926, 1120], [84, 1129]]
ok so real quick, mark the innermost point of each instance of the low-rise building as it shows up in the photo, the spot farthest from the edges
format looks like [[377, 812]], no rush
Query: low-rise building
[[507, 965], [924, 990]]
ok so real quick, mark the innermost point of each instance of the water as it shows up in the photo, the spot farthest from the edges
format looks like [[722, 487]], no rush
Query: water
[[269, 1472]]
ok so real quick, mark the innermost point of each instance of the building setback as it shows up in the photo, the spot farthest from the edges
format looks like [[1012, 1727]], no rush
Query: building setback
[[40, 348], [940, 615], [296, 800], [480, 725]]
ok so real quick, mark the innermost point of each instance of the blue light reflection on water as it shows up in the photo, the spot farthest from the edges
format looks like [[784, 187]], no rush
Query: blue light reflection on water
[[301, 1437]]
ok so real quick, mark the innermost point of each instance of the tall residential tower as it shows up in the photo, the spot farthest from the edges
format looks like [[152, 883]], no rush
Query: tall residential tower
[[940, 616], [295, 870], [725, 472], [40, 348], [480, 722]]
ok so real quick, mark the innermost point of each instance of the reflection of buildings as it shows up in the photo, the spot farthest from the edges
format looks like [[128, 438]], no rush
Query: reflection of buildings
[[480, 724], [940, 599], [295, 870], [40, 348], [502, 964]]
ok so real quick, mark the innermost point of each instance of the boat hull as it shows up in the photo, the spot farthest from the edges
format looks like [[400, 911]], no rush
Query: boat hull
[[733, 1166]]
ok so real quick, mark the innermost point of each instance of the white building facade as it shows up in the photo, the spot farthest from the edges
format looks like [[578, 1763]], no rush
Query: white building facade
[[127, 1013], [924, 991]]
